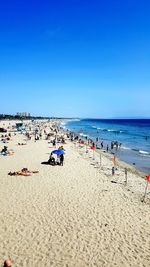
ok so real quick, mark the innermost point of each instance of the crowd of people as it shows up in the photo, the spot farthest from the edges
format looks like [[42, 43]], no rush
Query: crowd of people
[[98, 144], [35, 132]]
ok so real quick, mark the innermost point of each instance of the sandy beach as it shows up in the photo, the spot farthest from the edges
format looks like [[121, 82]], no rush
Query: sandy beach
[[76, 215]]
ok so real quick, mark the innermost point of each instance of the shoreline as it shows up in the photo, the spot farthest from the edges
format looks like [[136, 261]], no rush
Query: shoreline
[[123, 164], [121, 155]]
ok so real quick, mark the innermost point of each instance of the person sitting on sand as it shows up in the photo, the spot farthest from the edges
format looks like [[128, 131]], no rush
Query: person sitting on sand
[[4, 150], [51, 160]]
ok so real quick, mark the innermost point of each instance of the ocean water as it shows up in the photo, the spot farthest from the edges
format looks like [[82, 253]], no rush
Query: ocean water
[[133, 134]]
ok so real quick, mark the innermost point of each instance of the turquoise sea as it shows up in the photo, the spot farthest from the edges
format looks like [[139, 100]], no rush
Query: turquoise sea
[[133, 134]]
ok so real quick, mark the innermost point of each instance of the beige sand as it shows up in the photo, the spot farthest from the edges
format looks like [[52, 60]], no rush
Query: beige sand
[[71, 215]]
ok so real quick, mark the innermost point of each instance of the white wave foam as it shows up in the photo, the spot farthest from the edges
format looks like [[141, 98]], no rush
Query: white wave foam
[[82, 134], [107, 130], [63, 123], [144, 152], [126, 148], [115, 131], [102, 129]]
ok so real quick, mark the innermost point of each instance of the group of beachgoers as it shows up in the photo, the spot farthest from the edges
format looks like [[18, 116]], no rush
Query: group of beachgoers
[[113, 147], [56, 157], [52, 133], [59, 160], [55, 135]]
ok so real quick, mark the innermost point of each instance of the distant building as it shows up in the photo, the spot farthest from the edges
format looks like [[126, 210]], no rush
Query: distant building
[[23, 114]]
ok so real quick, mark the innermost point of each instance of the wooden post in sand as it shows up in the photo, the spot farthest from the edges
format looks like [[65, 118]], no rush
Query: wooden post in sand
[[100, 160], [86, 146], [126, 176], [94, 153], [76, 144], [147, 183], [93, 148], [113, 171], [56, 141]]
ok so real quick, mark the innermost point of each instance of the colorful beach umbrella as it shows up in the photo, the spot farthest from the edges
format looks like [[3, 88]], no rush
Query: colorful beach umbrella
[[58, 152]]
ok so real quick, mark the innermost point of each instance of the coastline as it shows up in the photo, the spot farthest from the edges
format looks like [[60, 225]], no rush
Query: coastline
[[72, 215], [122, 164], [125, 153]]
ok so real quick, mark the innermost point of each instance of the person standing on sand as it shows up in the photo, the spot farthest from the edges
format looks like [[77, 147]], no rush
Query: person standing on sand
[[107, 148], [61, 160]]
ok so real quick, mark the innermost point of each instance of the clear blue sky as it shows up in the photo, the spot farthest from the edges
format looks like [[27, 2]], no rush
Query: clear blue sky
[[75, 58]]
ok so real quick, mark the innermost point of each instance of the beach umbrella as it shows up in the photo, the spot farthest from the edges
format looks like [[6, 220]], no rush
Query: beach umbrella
[[100, 163], [58, 152]]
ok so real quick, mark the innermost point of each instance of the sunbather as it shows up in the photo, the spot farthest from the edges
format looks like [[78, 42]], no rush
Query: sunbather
[[23, 172], [21, 144]]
